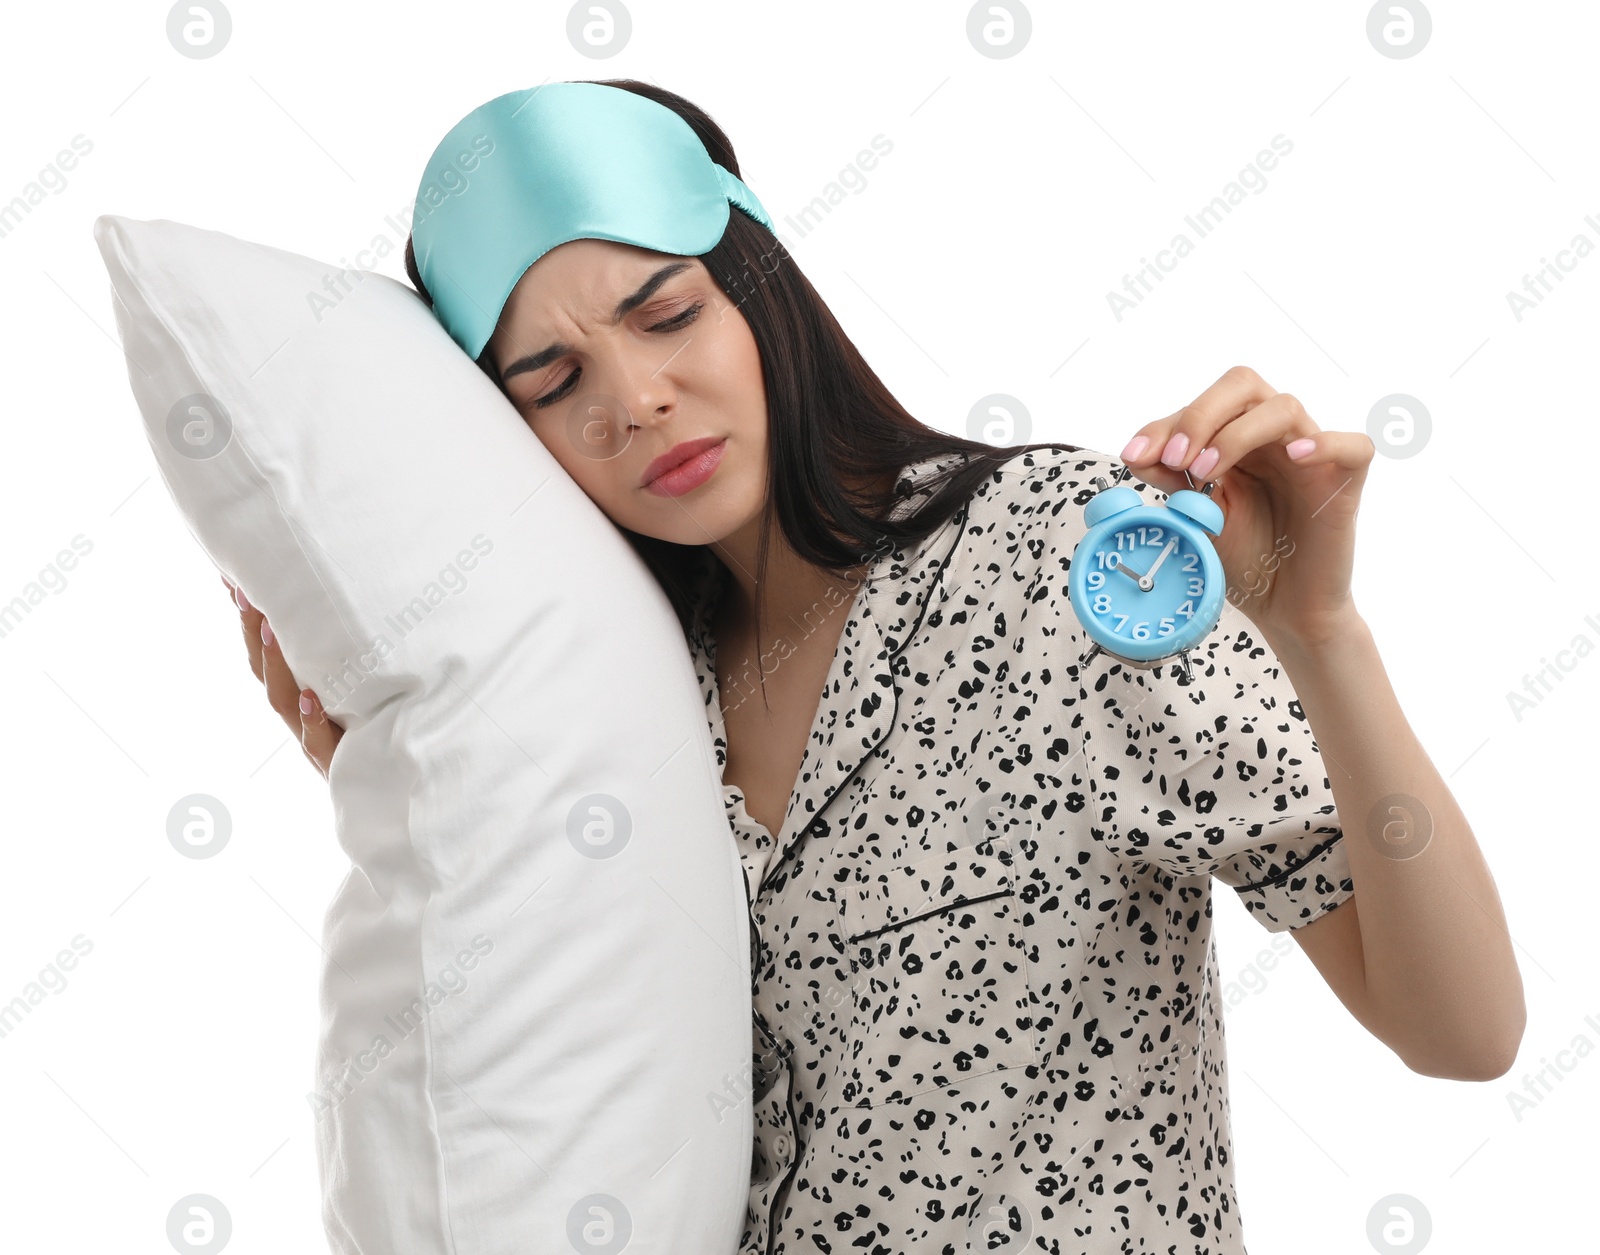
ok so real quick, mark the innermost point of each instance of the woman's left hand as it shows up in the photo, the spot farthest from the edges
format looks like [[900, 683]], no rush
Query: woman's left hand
[[1288, 537]]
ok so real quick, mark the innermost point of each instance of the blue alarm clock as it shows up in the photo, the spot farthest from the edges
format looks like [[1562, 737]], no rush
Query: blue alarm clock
[[1145, 580]]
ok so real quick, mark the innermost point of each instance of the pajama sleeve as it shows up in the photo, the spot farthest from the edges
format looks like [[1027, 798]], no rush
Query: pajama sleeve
[[1219, 777]]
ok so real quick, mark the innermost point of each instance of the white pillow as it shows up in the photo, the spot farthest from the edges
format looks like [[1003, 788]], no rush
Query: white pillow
[[542, 868]]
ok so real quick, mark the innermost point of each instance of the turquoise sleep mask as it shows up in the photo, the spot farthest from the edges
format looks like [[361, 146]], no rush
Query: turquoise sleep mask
[[564, 161]]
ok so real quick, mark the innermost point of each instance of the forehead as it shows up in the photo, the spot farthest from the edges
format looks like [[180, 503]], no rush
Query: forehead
[[582, 280], [574, 289]]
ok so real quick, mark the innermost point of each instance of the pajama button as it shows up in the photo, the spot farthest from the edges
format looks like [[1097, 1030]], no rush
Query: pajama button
[[780, 1148]]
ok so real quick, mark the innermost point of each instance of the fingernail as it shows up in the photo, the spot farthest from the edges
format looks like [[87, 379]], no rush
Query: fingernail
[[266, 632], [306, 704], [1207, 459], [1136, 446], [1299, 448], [240, 599], [1176, 448]]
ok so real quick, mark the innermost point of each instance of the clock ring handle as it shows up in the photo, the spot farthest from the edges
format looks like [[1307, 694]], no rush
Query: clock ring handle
[[1204, 489]]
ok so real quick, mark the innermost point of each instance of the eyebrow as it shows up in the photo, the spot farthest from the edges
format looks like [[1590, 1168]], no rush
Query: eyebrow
[[647, 289]]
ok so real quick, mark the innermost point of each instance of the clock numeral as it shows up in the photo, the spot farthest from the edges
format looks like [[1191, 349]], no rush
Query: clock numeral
[[1145, 536], [1186, 610], [1191, 561], [1102, 603], [1196, 586], [1168, 627], [1095, 579]]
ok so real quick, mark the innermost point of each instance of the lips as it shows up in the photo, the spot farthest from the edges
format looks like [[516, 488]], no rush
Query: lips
[[677, 456]]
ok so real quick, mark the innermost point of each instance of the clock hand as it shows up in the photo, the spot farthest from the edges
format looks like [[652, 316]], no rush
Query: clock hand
[[1156, 565], [1144, 582]]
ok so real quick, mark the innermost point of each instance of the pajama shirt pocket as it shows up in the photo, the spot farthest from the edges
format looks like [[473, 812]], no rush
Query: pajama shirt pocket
[[939, 986]]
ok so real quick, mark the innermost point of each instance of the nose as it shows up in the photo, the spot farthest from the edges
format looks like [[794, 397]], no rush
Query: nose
[[630, 391], [644, 388]]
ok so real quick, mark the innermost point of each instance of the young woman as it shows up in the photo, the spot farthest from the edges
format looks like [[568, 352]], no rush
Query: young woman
[[980, 867]]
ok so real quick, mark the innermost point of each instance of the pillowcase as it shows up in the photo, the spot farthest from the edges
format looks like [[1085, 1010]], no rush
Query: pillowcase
[[537, 983]]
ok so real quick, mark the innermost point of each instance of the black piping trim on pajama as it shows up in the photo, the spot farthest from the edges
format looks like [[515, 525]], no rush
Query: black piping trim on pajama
[[814, 823], [779, 1194], [933, 910], [1312, 856], [961, 530], [755, 933]]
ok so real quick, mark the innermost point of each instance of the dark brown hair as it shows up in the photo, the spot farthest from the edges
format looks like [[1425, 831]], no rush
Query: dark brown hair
[[832, 424]]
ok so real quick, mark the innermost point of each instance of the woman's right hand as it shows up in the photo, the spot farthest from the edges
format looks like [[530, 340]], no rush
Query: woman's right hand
[[300, 709]]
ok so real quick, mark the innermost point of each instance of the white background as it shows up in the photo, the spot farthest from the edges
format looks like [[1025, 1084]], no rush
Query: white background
[[976, 259]]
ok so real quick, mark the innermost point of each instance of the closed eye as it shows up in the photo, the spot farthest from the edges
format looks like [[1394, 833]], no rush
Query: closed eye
[[675, 323]]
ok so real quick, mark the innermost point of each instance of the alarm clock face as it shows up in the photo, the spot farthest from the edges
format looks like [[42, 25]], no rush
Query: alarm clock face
[[1145, 586]]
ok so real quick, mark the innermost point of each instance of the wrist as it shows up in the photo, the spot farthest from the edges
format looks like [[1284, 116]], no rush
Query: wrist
[[1330, 636]]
